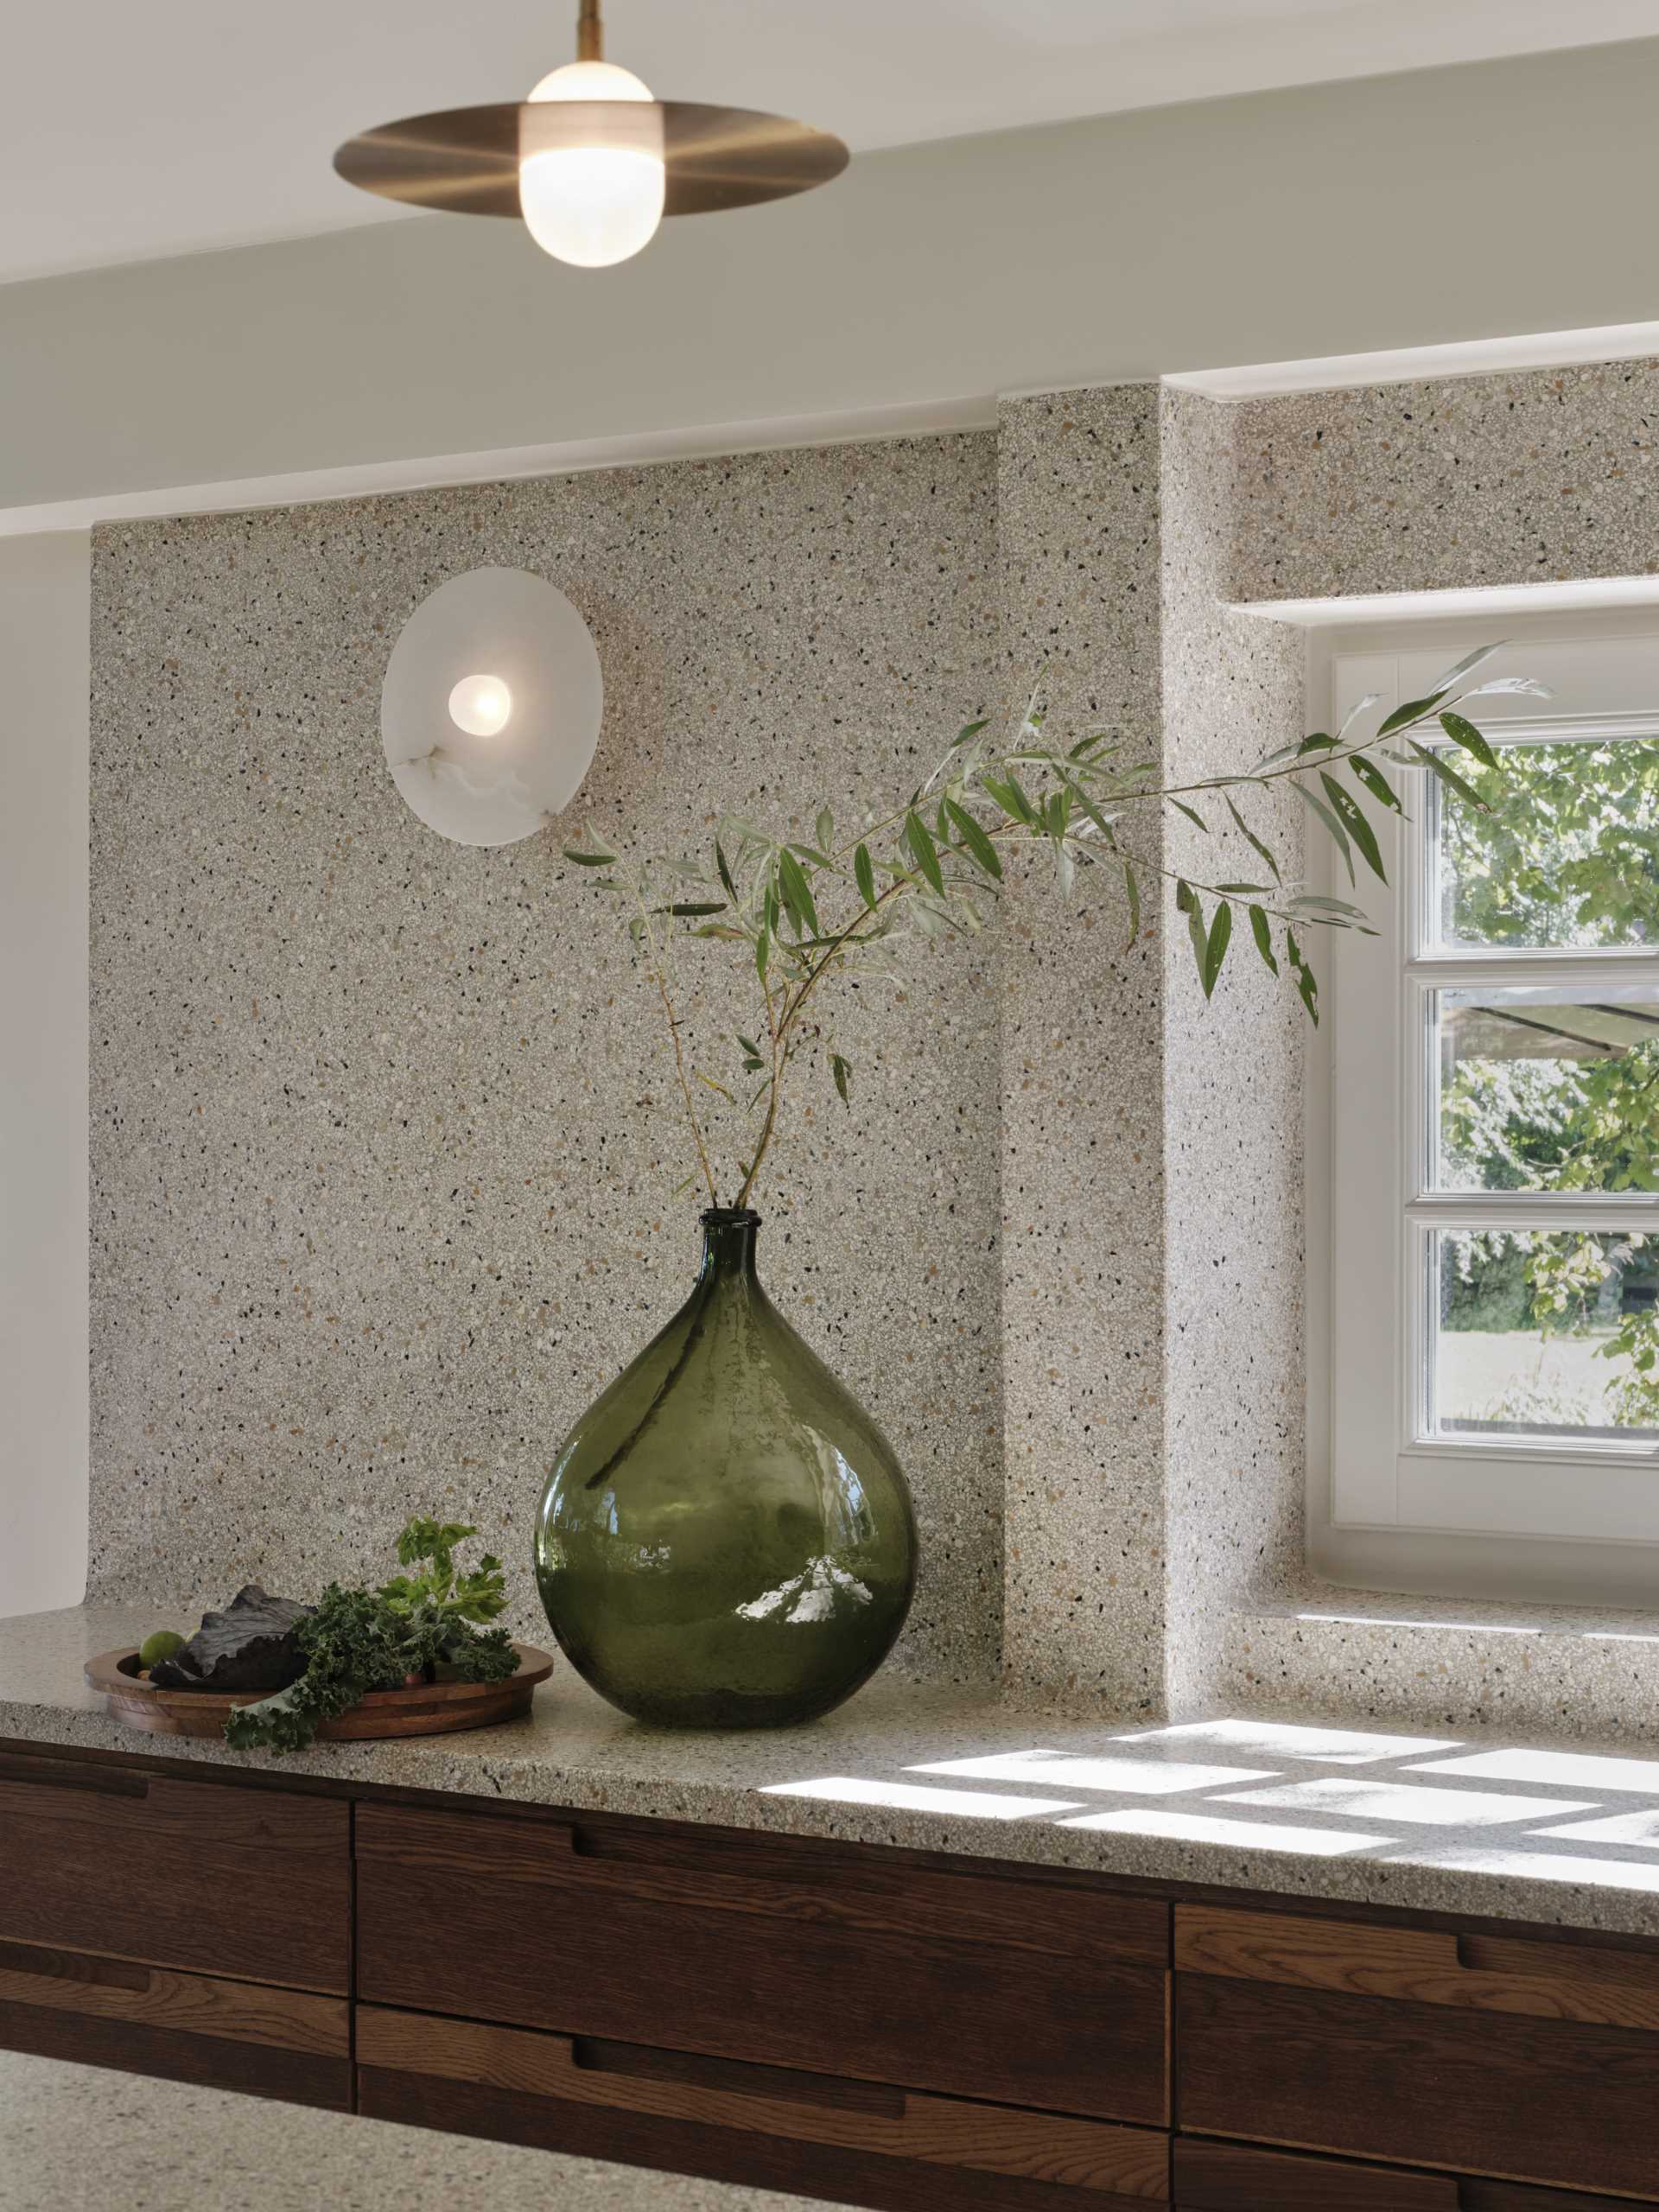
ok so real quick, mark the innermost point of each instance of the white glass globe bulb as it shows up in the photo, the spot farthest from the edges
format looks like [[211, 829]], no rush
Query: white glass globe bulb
[[592, 204], [481, 705]]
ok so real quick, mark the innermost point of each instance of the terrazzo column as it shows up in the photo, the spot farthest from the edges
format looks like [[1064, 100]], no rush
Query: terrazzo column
[[1151, 1143]]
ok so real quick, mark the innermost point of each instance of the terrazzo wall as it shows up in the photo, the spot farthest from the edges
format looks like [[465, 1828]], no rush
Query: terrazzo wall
[[385, 1133]]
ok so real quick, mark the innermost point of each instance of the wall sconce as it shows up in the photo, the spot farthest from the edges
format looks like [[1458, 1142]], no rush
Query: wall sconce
[[491, 708]]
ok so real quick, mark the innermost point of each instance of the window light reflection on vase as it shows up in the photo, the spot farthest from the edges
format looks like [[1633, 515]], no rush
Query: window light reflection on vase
[[491, 708]]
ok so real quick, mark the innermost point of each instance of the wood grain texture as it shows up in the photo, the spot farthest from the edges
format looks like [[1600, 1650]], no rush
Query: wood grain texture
[[1212, 2176], [1235, 2178], [242, 1883], [818, 1975], [180, 2003], [1546, 2101], [221, 2062], [1476, 1972], [431, 1709], [759, 2160], [1040, 2146], [857, 1888]]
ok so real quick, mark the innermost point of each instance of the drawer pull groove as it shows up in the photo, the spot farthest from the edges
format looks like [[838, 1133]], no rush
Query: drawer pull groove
[[100, 1781], [73, 1965], [642, 2063], [755, 2099]]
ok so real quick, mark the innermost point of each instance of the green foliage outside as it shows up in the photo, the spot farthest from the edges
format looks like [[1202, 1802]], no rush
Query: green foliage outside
[[1567, 855]]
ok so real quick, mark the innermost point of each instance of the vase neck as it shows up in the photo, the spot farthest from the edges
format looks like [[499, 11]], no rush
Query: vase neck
[[728, 1235]]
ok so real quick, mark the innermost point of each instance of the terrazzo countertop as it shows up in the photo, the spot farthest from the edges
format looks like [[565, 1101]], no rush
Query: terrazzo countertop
[[1452, 1821], [81, 2138]]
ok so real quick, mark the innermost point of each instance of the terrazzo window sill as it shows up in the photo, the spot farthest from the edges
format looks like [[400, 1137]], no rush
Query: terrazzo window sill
[[1566, 1670]]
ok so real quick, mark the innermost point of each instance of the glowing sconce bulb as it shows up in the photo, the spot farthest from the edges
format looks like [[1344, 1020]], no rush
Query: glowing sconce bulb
[[588, 202], [481, 705]]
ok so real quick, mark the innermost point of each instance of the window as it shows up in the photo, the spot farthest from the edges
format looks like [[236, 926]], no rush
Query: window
[[1492, 1209]]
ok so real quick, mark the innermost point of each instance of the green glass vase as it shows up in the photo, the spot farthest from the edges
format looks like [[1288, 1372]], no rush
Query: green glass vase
[[726, 1540]]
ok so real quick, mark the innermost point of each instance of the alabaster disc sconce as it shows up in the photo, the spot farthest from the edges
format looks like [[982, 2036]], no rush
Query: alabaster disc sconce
[[491, 708]]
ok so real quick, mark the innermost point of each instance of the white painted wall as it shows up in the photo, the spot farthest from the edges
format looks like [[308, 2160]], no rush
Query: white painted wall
[[45, 614], [1479, 201]]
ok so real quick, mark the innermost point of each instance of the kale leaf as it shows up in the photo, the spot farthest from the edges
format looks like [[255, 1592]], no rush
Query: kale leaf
[[419, 1626]]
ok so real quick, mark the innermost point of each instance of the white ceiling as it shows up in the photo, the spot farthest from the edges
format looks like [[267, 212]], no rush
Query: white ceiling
[[128, 131]]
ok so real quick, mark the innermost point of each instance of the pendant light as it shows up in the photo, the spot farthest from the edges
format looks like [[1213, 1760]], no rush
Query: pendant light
[[590, 162]]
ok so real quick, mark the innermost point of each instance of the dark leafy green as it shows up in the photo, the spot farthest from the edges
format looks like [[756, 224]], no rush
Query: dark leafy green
[[424, 1626]]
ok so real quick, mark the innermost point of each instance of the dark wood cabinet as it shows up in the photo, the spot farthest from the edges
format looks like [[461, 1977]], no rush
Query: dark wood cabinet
[[254, 1885], [185, 2027], [882, 2145], [1043, 1993], [880, 2027], [1504, 2057], [1209, 2177]]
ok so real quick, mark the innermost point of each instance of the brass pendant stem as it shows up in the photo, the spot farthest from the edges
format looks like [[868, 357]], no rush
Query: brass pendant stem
[[590, 33]]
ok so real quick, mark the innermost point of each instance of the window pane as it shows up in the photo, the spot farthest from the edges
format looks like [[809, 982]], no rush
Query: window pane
[[1544, 1090], [1569, 856], [1545, 1336]]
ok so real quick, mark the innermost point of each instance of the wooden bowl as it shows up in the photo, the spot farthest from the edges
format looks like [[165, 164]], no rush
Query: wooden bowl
[[429, 1709]]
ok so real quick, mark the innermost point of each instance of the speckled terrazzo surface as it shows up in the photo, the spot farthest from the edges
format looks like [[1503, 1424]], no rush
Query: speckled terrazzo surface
[[82, 2139], [1439, 1819], [1083, 1243], [1233, 1385], [384, 1132], [1463, 480]]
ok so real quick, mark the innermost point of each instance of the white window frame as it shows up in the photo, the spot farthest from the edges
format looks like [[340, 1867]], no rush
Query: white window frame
[[1390, 1506]]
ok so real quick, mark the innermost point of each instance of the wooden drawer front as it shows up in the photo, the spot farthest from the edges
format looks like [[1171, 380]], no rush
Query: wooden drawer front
[[957, 1983], [1542, 2101], [1232, 2178], [281, 2043], [1481, 1974], [1068, 2162], [225, 1880]]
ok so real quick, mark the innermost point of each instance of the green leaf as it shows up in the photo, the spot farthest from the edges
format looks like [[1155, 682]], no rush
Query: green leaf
[[1308, 989], [1132, 889], [1244, 890], [749, 1045], [1413, 711], [1011, 797], [1188, 903], [791, 881], [1449, 775], [1262, 931], [1192, 814], [713, 1085], [1083, 799], [967, 736], [1317, 901], [1251, 838], [824, 828], [725, 874], [841, 1071], [926, 852], [1463, 732], [974, 838], [590, 860], [865, 876], [1470, 662], [1355, 821], [1375, 782], [762, 952], [1338, 834], [1215, 951], [1318, 742], [699, 906]]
